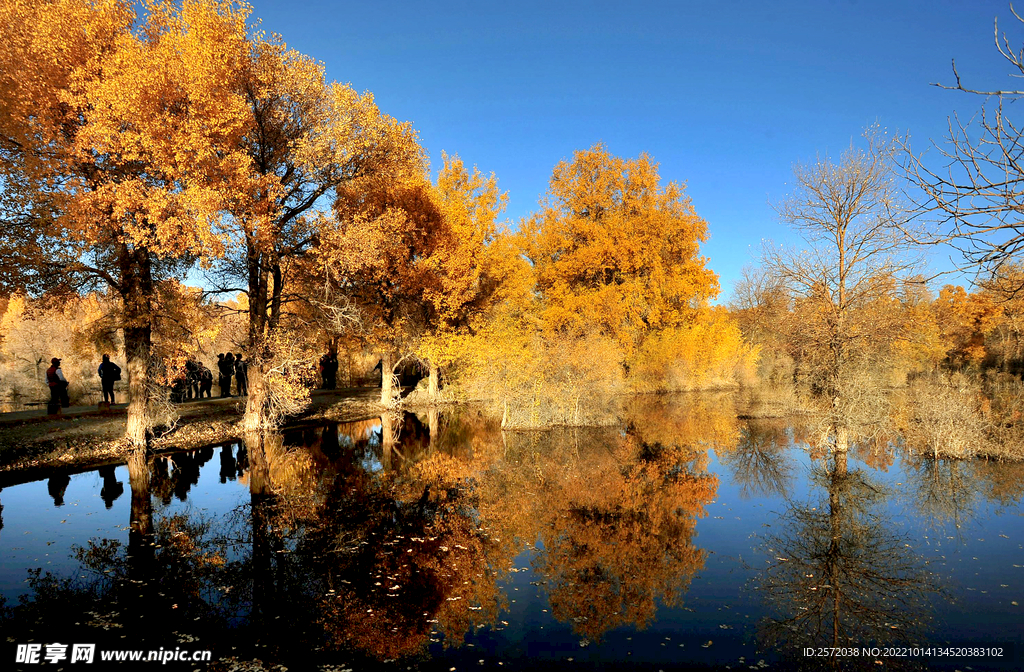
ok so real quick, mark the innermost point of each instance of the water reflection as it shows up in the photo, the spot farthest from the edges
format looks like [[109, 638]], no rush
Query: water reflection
[[56, 486], [112, 488], [838, 573], [394, 537], [173, 476], [943, 491], [760, 463], [385, 560], [618, 535]]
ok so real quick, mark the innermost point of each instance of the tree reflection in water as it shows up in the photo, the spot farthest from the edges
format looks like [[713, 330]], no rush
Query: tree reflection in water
[[619, 533], [615, 508], [142, 591], [839, 574], [760, 463], [370, 541], [945, 492]]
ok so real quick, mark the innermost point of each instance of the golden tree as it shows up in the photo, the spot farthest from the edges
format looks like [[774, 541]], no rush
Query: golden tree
[[1006, 330], [963, 319], [303, 139], [463, 274], [115, 129], [615, 251], [375, 256]]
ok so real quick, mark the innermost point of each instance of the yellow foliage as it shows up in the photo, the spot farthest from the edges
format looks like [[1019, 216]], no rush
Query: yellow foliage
[[614, 250], [458, 270], [537, 380], [963, 319], [921, 347], [706, 354], [614, 289], [78, 330]]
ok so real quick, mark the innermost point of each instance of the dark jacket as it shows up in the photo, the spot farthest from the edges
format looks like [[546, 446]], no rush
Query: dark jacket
[[109, 372]]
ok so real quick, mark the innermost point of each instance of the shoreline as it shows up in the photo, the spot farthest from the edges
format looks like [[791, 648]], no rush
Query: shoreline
[[84, 440]]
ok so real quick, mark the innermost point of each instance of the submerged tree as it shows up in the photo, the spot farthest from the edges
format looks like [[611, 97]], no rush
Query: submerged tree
[[857, 256]]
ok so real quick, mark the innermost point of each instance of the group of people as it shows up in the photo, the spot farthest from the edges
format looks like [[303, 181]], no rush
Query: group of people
[[196, 383], [233, 366]]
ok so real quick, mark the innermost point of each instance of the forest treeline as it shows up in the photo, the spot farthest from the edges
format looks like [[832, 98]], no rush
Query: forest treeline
[[143, 146], [140, 143]]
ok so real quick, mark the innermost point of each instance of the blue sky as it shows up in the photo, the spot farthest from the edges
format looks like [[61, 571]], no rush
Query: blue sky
[[725, 95]]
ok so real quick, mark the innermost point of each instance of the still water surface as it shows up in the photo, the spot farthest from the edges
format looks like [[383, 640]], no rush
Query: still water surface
[[683, 537]]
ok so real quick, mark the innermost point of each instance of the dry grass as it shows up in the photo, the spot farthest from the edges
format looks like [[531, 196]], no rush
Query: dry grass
[[963, 415], [562, 381], [942, 417], [775, 400]]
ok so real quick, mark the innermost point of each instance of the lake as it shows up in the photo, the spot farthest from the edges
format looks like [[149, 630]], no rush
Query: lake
[[679, 537]]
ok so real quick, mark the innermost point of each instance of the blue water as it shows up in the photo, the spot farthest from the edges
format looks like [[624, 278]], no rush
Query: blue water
[[966, 555]]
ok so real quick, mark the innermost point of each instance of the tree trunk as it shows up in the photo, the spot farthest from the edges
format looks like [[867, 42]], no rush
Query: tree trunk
[[261, 501], [388, 438], [387, 388], [840, 470], [141, 558], [259, 464], [434, 427], [275, 295], [136, 295], [257, 404], [138, 347], [141, 524], [434, 384], [842, 441], [832, 573]]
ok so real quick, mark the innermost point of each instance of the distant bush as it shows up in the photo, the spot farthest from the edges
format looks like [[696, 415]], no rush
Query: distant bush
[[538, 382], [706, 355], [942, 416]]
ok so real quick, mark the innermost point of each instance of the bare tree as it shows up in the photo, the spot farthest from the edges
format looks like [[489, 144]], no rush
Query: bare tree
[[858, 252], [974, 185]]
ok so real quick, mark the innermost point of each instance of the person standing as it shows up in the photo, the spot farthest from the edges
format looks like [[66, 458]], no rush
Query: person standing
[[226, 366], [191, 378], [241, 375], [109, 374], [220, 372], [58, 384], [205, 381], [330, 374]]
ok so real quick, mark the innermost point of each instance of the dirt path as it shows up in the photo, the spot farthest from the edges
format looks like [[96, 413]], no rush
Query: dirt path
[[32, 442]]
